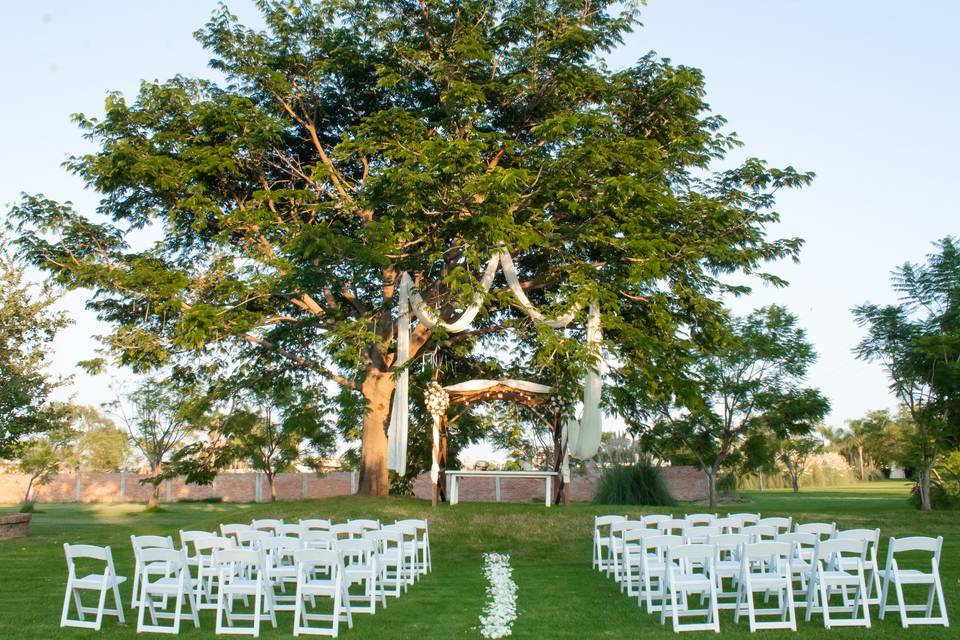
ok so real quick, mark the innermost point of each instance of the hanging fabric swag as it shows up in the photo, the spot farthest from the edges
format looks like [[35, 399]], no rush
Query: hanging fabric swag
[[583, 435]]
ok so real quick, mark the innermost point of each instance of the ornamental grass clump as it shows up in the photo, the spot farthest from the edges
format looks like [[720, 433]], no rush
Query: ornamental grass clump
[[632, 484]]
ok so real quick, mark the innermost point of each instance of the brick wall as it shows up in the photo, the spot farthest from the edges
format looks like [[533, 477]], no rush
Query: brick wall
[[684, 483], [126, 487]]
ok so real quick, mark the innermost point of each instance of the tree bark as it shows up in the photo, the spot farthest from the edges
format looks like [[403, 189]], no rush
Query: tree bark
[[711, 474], [376, 388], [795, 482], [860, 461], [273, 490], [155, 494], [26, 497], [925, 502]]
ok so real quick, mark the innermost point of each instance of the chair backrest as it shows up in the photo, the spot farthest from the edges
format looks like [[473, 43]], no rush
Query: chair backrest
[[239, 563], [290, 530], [799, 541], [833, 549], [822, 529], [671, 527], [347, 530], [253, 538], [173, 560], [872, 536], [280, 551], [728, 544], [660, 543], [316, 524], [231, 530], [386, 539], [653, 520], [139, 543], [309, 560], [366, 524], [602, 522], [760, 532], [685, 555], [617, 528], [781, 524], [267, 524], [190, 538], [75, 552], [213, 543], [317, 539], [729, 524], [355, 550], [917, 543], [700, 518], [419, 523], [699, 533], [407, 532], [763, 557], [746, 518]]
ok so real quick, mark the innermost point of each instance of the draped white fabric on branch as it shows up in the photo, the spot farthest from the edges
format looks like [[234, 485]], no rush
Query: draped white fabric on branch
[[583, 435]]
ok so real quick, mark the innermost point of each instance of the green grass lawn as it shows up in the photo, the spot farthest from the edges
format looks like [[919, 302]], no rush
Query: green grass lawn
[[559, 595]]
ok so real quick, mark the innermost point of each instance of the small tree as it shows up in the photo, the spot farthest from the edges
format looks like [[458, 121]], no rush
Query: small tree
[[751, 383], [28, 324], [918, 343], [794, 454], [160, 415], [40, 460]]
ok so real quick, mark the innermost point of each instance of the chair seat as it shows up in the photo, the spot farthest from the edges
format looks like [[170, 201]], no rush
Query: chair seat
[[95, 581], [691, 581], [727, 568], [911, 576], [840, 577], [163, 586]]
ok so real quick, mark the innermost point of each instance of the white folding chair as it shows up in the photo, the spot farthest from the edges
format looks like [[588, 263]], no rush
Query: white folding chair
[[700, 518], [139, 543], [103, 583], [424, 561], [279, 555], [726, 565], [684, 581], [746, 518], [252, 538], [188, 541], [315, 524], [653, 568], [311, 565], [616, 546], [361, 567], [801, 561], [870, 565], [601, 541], [823, 530], [389, 546], [653, 520], [781, 524], [242, 573], [206, 583], [632, 561], [165, 575], [838, 564], [894, 574], [765, 568], [408, 550], [267, 524], [290, 531]]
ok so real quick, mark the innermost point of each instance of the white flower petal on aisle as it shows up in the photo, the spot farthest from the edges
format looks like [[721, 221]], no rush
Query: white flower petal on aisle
[[501, 609]]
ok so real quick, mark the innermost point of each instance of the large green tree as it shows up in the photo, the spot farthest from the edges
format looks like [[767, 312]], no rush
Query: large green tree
[[753, 383], [918, 343], [351, 141]]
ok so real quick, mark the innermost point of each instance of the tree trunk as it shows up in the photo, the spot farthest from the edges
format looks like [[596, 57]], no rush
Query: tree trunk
[[925, 503], [860, 461], [795, 482], [155, 494], [273, 490], [761, 480], [377, 388], [26, 497], [711, 486]]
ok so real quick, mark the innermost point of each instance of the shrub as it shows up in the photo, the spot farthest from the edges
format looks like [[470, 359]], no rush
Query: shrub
[[941, 499], [27, 507], [632, 484]]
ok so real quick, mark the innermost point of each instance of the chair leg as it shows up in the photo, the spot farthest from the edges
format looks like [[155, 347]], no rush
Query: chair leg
[[884, 594]]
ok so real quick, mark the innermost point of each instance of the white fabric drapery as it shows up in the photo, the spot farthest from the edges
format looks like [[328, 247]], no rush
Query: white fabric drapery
[[583, 435]]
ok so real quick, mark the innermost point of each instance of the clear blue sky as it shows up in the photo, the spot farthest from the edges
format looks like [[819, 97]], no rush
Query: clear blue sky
[[864, 93]]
